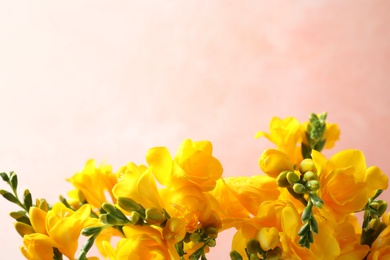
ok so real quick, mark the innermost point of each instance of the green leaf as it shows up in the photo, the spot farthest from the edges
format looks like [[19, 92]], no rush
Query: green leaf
[[24, 219], [4, 176], [17, 214], [9, 196], [27, 199], [13, 180], [320, 145]]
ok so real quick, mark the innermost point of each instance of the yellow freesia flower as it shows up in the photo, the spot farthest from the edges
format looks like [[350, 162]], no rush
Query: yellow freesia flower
[[174, 230], [141, 242], [188, 203], [380, 249], [225, 201], [286, 135], [252, 191], [100, 178], [346, 183], [193, 165], [138, 183], [348, 235], [272, 162], [62, 230], [275, 225]]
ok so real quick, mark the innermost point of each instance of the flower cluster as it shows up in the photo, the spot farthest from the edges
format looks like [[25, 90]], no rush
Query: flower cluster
[[175, 206]]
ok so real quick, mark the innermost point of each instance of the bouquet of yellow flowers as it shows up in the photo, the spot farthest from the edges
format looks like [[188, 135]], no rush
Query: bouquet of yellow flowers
[[174, 207]]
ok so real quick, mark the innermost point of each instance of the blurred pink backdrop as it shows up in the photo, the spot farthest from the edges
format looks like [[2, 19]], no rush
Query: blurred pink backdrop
[[109, 80]]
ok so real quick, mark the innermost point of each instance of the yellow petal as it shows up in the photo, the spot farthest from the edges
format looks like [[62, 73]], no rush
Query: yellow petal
[[38, 219], [375, 179], [347, 158], [160, 161]]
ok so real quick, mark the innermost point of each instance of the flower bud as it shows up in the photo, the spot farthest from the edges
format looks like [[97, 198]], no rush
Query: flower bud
[[195, 237], [307, 165], [89, 231], [211, 242], [272, 162], [43, 205], [374, 224], [154, 216], [281, 180], [234, 255], [253, 246], [292, 177], [134, 217], [299, 188], [309, 176], [212, 232], [128, 204], [313, 185], [274, 254]]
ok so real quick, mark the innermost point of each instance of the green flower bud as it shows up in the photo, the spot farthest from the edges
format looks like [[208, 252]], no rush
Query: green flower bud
[[313, 185], [299, 188], [309, 176], [253, 246], [134, 217], [212, 232], [281, 180], [274, 254], [128, 204], [234, 255], [292, 178], [374, 224], [253, 257], [195, 237], [307, 165], [154, 216], [211, 242], [382, 208], [115, 213], [89, 231]]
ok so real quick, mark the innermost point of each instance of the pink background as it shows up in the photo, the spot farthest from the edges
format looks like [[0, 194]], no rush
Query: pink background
[[109, 80]]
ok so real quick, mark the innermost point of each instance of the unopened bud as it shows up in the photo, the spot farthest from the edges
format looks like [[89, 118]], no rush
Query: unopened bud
[[281, 180], [154, 216], [307, 165], [128, 204], [299, 188], [195, 237], [253, 246], [211, 242], [292, 178], [313, 185], [43, 205], [274, 254], [234, 255], [212, 232], [309, 176], [374, 224], [134, 217]]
